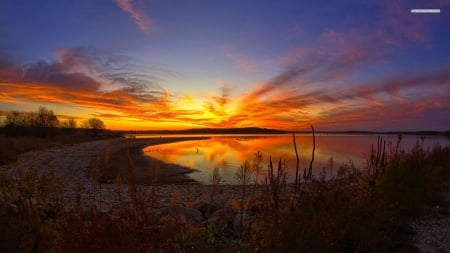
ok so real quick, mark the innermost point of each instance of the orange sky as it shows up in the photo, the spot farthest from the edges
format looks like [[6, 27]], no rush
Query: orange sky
[[142, 65], [267, 105]]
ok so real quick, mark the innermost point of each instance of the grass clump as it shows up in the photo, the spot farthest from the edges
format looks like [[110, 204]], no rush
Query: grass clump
[[30, 204]]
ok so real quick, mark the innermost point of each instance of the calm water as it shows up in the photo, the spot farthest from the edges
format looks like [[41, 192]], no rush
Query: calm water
[[227, 153]]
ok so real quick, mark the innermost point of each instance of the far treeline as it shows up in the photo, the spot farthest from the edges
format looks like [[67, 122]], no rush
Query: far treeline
[[258, 130], [44, 122]]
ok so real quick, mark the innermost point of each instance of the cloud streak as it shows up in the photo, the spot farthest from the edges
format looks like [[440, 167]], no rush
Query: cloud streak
[[102, 81], [354, 108], [244, 64], [318, 84], [140, 19]]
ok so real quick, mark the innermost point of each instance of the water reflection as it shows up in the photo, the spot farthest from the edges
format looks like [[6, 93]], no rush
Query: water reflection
[[228, 152]]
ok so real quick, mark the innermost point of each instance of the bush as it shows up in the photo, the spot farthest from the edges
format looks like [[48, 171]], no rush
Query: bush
[[363, 211]]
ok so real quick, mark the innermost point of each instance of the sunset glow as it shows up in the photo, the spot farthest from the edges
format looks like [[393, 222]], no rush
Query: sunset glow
[[138, 65]]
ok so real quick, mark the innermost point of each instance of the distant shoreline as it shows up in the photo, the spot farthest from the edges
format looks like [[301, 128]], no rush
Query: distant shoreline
[[257, 130]]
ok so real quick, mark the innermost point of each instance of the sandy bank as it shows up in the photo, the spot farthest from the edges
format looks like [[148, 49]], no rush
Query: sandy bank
[[73, 162], [167, 173]]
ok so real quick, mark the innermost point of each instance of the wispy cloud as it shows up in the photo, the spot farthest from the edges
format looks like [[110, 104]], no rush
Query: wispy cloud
[[244, 64], [140, 19], [317, 86], [115, 86], [399, 24], [86, 77], [279, 103]]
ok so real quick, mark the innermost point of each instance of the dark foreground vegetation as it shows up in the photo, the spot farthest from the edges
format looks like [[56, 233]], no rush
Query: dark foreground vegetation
[[353, 210]]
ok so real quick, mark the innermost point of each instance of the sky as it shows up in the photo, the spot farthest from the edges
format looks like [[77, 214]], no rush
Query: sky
[[163, 64]]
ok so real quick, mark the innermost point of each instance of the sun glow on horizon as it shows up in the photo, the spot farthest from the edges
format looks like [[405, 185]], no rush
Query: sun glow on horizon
[[381, 68]]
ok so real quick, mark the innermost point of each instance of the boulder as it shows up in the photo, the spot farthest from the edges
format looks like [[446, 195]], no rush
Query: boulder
[[185, 215], [208, 206], [224, 216]]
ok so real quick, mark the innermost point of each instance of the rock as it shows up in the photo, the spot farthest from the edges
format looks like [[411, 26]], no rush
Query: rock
[[224, 216], [185, 215], [208, 206]]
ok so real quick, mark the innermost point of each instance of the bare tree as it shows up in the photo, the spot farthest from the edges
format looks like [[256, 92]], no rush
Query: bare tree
[[45, 118], [94, 124], [36, 123], [69, 123]]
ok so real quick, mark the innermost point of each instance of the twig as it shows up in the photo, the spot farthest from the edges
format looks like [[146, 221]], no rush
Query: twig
[[312, 155], [297, 179]]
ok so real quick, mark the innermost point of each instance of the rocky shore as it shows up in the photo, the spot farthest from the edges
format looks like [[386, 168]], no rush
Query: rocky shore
[[177, 196], [433, 229], [72, 163]]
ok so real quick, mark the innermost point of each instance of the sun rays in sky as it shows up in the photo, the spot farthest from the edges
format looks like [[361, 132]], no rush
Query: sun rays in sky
[[354, 65]]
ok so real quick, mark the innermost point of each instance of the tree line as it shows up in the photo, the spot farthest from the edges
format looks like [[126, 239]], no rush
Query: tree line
[[44, 122]]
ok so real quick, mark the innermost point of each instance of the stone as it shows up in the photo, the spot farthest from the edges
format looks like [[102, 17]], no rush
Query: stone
[[185, 215], [208, 206], [224, 216]]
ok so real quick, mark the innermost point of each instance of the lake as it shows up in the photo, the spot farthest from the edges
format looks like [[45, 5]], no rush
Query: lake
[[228, 152]]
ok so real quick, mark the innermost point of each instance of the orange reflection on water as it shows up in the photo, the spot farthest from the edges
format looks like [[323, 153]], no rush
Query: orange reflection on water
[[228, 152]]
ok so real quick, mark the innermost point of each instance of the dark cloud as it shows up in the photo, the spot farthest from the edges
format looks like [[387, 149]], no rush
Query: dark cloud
[[56, 75], [90, 69]]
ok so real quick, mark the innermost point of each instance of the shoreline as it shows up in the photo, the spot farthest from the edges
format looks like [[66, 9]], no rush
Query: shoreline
[[167, 173], [73, 162]]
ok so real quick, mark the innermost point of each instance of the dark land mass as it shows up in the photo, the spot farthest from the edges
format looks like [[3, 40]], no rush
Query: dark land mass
[[422, 133], [258, 130], [246, 130]]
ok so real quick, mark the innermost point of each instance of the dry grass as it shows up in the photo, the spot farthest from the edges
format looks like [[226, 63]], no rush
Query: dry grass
[[358, 210]]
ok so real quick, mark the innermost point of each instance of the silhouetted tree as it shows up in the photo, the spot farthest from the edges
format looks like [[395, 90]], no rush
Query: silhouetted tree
[[70, 123], [34, 123], [13, 122], [95, 125], [45, 118]]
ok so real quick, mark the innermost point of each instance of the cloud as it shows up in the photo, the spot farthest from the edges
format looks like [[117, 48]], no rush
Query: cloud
[[86, 77], [318, 84], [397, 19], [323, 83], [140, 19], [55, 74], [244, 64], [115, 87], [285, 102]]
